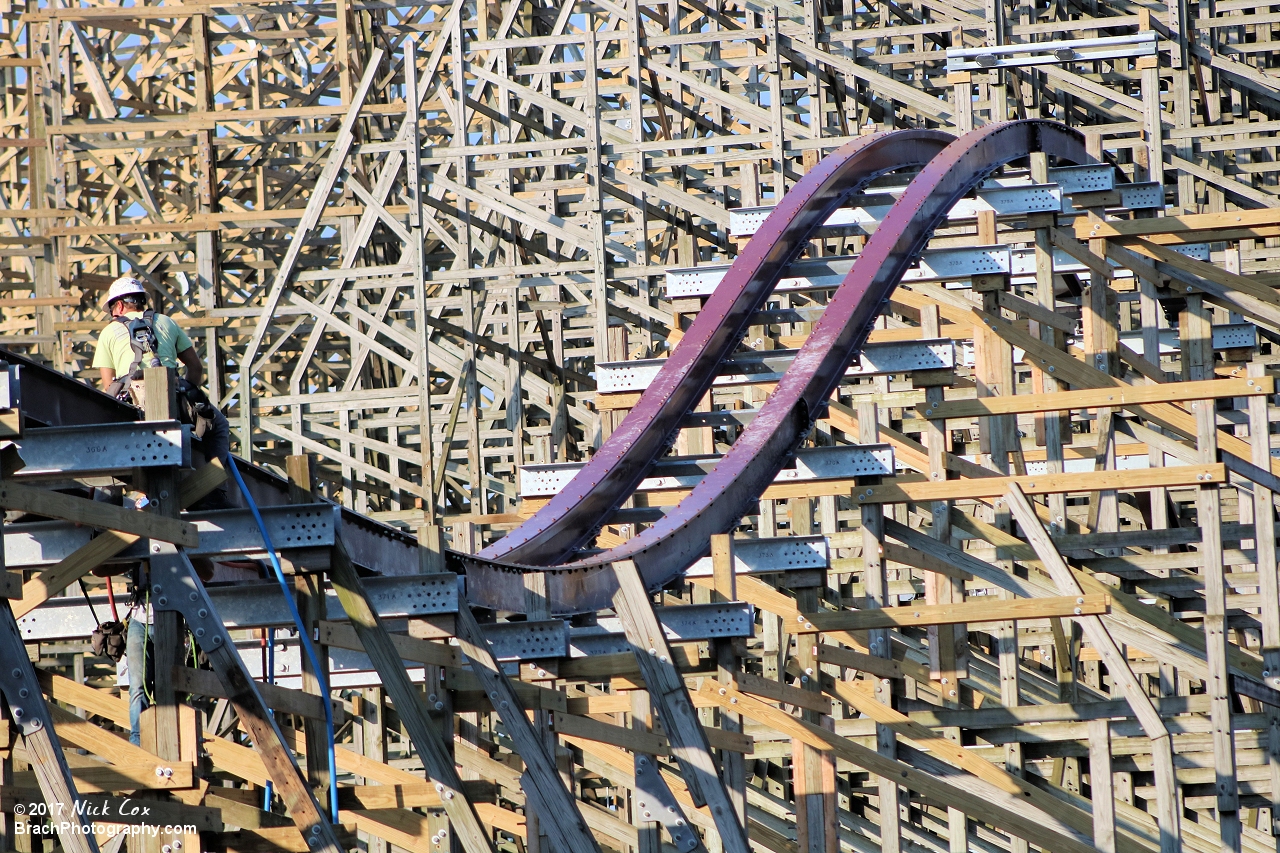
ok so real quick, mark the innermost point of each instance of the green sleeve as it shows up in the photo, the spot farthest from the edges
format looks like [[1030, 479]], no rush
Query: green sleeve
[[181, 342], [104, 354]]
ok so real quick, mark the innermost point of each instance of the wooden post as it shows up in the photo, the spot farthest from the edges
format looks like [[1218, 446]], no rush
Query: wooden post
[[1268, 585], [877, 586], [174, 585], [668, 692], [1104, 806], [161, 487], [408, 701]]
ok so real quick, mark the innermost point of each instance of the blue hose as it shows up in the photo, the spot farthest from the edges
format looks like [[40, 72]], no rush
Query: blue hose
[[270, 677], [303, 634]]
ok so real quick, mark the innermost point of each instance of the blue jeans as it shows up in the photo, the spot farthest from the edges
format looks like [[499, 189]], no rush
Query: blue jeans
[[136, 649], [216, 444]]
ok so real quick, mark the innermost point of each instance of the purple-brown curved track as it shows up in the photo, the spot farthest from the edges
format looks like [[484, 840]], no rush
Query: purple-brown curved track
[[661, 552], [573, 515]]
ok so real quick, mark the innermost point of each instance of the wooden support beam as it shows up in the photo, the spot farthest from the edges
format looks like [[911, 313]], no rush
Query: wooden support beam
[[44, 750], [973, 611], [1042, 484], [175, 586], [97, 514], [667, 689], [1091, 398], [408, 700], [1117, 665], [557, 809], [983, 803]]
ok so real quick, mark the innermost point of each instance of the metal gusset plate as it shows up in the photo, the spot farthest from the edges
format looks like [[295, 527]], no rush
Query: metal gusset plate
[[654, 801], [235, 531]]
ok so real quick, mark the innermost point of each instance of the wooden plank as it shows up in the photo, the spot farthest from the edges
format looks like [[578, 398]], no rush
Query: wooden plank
[[127, 777], [556, 807], [1087, 228], [1117, 664], [53, 580], [97, 514], [408, 700], [991, 806], [175, 584], [344, 636], [974, 610], [1098, 397], [1043, 484], [667, 689], [282, 699], [35, 718]]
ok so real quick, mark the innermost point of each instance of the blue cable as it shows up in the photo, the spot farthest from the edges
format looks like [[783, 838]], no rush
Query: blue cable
[[302, 634], [270, 679]]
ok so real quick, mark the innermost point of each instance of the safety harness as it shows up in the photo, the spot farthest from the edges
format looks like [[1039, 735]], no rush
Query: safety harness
[[194, 407]]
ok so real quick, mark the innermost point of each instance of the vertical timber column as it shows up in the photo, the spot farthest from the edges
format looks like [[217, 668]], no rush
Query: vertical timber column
[[773, 68], [733, 768], [813, 771], [207, 248], [1152, 113], [876, 584], [461, 122], [429, 535], [1101, 345], [161, 487], [944, 640], [45, 103], [1264, 513], [999, 101], [1104, 802], [309, 591], [595, 199], [961, 83], [1197, 353], [1051, 425]]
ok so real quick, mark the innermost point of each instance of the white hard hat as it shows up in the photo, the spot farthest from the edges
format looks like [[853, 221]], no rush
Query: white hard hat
[[125, 285]]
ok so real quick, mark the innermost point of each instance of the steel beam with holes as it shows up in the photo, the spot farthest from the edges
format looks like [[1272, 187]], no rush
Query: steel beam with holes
[[174, 586], [44, 751], [815, 463]]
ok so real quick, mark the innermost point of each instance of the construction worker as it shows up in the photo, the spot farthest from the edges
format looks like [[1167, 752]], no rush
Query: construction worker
[[137, 338]]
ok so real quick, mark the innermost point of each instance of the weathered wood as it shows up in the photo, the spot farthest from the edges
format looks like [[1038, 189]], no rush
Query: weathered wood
[[958, 614], [688, 741], [175, 585], [97, 514], [409, 702], [557, 809]]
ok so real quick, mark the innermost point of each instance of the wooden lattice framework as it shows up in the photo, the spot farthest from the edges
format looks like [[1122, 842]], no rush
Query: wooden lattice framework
[[332, 196]]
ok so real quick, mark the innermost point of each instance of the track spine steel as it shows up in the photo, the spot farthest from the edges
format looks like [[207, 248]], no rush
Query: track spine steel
[[572, 516], [664, 550]]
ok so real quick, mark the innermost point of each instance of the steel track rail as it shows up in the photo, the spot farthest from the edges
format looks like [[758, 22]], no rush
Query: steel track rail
[[645, 435], [716, 504]]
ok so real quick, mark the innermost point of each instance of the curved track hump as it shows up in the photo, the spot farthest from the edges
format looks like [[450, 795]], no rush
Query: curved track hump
[[572, 517], [717, 503]]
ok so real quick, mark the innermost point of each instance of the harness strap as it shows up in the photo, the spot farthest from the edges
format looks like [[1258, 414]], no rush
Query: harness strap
[[132, 325]]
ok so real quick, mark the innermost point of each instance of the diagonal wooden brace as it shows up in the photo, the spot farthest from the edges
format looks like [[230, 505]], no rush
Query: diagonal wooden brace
[[684, 730], [26, 704], [426, 738], [1117, 665], [175, 586], [557, 809]]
